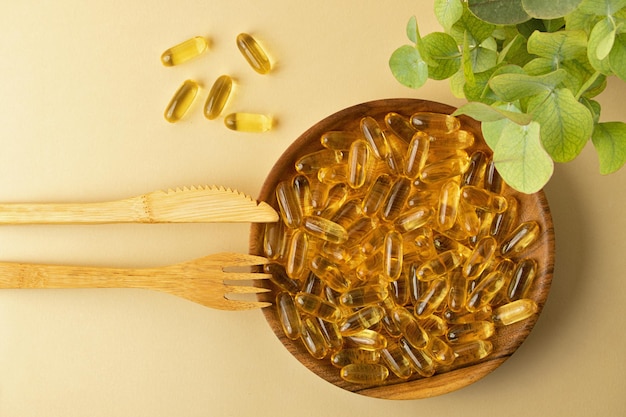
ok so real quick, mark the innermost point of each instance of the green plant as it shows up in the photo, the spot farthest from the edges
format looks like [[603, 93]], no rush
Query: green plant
[[530, 70]]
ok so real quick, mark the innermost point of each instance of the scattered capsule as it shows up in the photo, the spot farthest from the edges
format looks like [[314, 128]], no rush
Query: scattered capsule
[[457, 295], [184, 51], [361, 319], [522, 279], [363, 296], [338, 140], [435, 122], [418, 359], [485, 290], [376, 194], [289, 204], [476, 171], [313, 339], [279, 277], [432, 298], [181, 101], [368, 340], [288, 315], [345, 357], [440, 351], [329, 273], [467, 332], [312, 162], [483, 199], [396, 198], [364, 373], [444, 169], [471, 352], [438, 266], [459, 140], [410, 327], [400, 125], [514, 311], [325, 229], [392, 255], [248, 122], [295, 263], [274, 240], [417, 155], [480, 258], [218, 96], [302, 190], [358, 162], [520, 239], [492, 181], [253, 53], [414, 218], [395, 359], [375, 137], [317, 306], [448, 205]]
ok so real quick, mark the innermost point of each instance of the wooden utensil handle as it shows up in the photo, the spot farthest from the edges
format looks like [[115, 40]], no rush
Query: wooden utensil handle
[[21, 275]]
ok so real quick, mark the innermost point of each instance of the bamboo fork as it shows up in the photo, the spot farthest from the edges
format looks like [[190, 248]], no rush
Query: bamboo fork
[[203, 281]]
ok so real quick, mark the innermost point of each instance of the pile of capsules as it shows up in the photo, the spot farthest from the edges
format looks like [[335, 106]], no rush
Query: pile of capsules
[[398, 253], [222, 87]]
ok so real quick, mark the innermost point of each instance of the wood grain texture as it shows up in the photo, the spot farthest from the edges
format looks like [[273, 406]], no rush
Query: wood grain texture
[[507, 340]]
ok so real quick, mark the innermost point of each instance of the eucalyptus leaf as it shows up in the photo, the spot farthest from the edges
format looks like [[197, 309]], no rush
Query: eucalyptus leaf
[[448, 12], [595, 109], [457, 84], [609, 140], [520, 158], [514, 51], [539, 66], [478, 30], [408, 67], [617, 57], [542, 9], [601, 7], [443, 50], [579, 20], [412, 31], [466, 60], [562, 45], [499, 12], [512, 87], [553, 25], [485, 113], [603, 29], [478, 89], [566, 124]]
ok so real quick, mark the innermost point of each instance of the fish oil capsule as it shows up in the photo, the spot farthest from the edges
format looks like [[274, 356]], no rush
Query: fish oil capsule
[[492, 181], [393, 356], [289, 204], [361, 319], [296, 261], [448, 205], [348, 213], [396, 198], [435, 122], [514, 311], [218, 96], [363, 296], [349, 356], [418, 359], [375, 137], [471, 352], [313, 285], [253, 53], [444, 169], [324, 229], [440, 351], [319, 194], [312, 162], [274, 240], [337, 195], [414, 218], [464, 316], [426, 197], [476, 171], [248, 122], [480, 258], [399, 290], [374, 240], [483, 199], [337, 140], [302, 189], [417, 154], [317, 306], [181, 101], [313, 339], [392, 255], [423, 240], [279, 277], [358, 163], [467, 219], [467, 332], [400, 125], [367, 339], [522, 279], [376, 194], [333, 174], [459, 140], [437, 267], [329, 273], [331, 334], [288, 315], [184, 51], [520, 239], [432, 298], [410, 327], [395, 158], [359, 229], [434, 325], [486, 290], [502, 223], [364, 373], [459, 286]]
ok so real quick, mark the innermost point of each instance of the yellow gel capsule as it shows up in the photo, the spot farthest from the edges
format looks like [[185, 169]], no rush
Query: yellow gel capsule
[[399, 290], [459, 140], [471, 352], [331, 334], [458, 291], [358, 163], [375, 137], [417, 154], [253, 53], [414, 218], [514, 311], [302, 189], [400, 125], [181, 101], [218, 96], [483, 199], [492, 181], [288, 315], [295, 264], [324, 229], [410, 327], [396, 198], [444, 169], [522, 279], [313, 338], [337, 140], [317, 306], [432, 298], [434, 325], [503, 222], [364, 373], [480, 258], [362, 296], [459, 317], [448, 205], [312, 162], [486, 289], [361, 319], [274, 241], [248, 122], [418, 359], [376, 194], [330, 274], [279, 277], [392, 255], [476, 171], [467, 332], [184, 51], [440, 351], [435, 122], [393, 356], [349, 356], [521, 238], [348, 213], [289, 204], [367, 339], [438, 266]]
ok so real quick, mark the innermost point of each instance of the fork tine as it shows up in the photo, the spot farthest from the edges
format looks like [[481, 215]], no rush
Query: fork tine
[[246, 276], [245, 289], [246, 305]]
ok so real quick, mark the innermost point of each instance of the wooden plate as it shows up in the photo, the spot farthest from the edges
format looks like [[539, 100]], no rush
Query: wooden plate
[[506, 340]]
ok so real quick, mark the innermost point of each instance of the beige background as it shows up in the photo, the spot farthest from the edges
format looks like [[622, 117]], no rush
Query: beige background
[[82, 97]]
